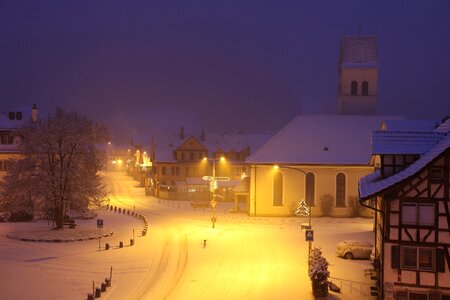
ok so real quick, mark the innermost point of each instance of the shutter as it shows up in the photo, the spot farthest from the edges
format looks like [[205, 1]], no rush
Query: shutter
[[440, 260], [395, 257], [401, 295]]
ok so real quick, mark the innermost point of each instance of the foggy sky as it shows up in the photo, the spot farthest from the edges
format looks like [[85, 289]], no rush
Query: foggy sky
[[217, 65]]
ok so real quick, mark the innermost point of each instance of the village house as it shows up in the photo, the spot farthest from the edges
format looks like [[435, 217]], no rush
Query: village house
[[10, 122], [175, 164], [410, 196]]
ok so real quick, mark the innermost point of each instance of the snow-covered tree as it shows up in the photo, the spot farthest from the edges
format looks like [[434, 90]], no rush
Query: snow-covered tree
[[318, 272], [302, 209], [58, 166]]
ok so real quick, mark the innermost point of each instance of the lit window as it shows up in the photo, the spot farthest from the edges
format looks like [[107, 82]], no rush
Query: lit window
[[415, 258]]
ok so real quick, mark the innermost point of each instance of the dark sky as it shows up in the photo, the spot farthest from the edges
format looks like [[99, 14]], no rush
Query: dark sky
[[216, 64]]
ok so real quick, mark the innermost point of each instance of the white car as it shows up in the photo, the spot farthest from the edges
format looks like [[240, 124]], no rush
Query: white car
[[350, 249]]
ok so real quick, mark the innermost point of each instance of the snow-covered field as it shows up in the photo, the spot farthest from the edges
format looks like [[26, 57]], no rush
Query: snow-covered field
[[244, 257]]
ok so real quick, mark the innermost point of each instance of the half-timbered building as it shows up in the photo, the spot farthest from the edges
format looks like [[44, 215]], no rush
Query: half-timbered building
[[410, 194]]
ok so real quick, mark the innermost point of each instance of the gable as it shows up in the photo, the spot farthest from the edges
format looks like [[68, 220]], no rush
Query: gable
[[191, 143]]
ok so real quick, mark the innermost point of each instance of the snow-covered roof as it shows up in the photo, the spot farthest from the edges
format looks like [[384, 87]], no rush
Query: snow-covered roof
[[373, 184], [321, 139], [444, 126], [398, 142], [409, 125], [7, 123], [166, 142], [358, 49]]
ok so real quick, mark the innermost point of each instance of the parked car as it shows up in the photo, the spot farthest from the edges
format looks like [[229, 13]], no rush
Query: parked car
[[350, 249]]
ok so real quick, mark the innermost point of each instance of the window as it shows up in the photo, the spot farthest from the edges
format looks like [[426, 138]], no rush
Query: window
[[415, 258], [409, 258], [18, 115], [354, 88], [418, 214], [12, 115], [238, 171], [365, 88], [278, 189], [4, 165], [172, 170], [186, 173], [163, 170], [7, 139], [191, 156], [340, 190], [417, 296], [177, 170], [309, 188], [183, 156]]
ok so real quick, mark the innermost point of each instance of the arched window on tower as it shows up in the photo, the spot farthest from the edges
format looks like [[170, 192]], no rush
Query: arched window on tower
[[340, 190], [354, 88], [277, 189], [365, 88], [309, 189]]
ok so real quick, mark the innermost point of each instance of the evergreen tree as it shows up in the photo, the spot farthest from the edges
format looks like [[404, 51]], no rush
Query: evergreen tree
[[302, 209]]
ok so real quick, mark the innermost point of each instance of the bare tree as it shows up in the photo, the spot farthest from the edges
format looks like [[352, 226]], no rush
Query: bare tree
[[58, 167]]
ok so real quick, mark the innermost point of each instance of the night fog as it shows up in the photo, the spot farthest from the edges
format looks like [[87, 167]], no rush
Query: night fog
[[218, 66]]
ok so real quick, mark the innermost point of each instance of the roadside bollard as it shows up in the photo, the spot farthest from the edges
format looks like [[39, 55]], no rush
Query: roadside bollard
[[204, 243], [107, 282], [131, 242], [103, 287], [106, 246], [120, 210], [90, 297], [98, 293], [120, 244], [144, 232]]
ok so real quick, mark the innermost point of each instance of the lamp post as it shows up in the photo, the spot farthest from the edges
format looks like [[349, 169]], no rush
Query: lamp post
[[213, 186], [309, 200]]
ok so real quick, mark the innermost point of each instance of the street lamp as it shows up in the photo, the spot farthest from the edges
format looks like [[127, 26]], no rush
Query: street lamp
[[213, 186], [276, 167]]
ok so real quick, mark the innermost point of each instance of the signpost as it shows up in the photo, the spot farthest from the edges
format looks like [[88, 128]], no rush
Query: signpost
[[212, 189], [99, 226], [309, 235]]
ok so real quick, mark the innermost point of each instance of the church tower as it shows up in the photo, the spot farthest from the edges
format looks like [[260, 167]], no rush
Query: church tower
[[358, 75]]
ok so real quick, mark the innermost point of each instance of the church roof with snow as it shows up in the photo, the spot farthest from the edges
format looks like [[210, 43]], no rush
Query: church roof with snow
[[321, 139]]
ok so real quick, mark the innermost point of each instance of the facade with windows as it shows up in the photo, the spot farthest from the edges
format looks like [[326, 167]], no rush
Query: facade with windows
[[10, 140], [412, 207], [180, 161], [317, 158]]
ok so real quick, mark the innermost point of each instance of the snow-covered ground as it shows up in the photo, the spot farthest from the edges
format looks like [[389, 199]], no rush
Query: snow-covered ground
[[244, 257]]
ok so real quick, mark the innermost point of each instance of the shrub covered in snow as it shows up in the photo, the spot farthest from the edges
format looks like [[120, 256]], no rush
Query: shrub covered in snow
[[326, 204], [318, 273]]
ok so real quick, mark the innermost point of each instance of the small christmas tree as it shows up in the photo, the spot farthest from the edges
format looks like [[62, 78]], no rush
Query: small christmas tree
[[302, 209], [318, 273]]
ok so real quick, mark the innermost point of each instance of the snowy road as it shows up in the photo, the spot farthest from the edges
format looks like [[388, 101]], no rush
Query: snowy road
[[244, 258]]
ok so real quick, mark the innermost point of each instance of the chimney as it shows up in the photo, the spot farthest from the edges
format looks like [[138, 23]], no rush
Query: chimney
[[181, 132], [34, 113]]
